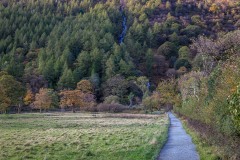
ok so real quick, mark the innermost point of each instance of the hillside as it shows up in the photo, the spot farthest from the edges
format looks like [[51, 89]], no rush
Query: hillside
[[58, 43]]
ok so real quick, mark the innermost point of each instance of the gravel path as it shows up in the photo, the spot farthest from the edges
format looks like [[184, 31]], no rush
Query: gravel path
[[179, 145]]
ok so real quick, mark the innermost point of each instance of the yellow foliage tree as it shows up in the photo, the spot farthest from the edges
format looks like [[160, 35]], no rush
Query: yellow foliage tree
[[166, 90], [85, 86], [214, 8], [29, 97]]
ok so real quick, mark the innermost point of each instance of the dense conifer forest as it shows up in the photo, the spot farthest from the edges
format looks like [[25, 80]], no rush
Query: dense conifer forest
[[55, 44]]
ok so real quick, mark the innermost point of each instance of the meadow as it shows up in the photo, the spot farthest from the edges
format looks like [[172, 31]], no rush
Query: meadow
[[81, 136]]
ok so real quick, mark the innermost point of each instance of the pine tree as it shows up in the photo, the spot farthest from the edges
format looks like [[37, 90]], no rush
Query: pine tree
[[110, 67], [66, 81], [48, 72], [149, 62], [96, 57], [84, 63]]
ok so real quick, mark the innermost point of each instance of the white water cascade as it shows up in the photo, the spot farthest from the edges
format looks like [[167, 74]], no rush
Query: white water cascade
[[124, 22]]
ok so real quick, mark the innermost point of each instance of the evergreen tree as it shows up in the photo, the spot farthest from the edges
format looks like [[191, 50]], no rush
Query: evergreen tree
[[66, 81], [149, 62], [84, 63], [48, 72], [110, 67]]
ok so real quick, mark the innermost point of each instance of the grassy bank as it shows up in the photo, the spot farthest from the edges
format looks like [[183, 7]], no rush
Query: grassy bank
[[81, 136], [205, 150]]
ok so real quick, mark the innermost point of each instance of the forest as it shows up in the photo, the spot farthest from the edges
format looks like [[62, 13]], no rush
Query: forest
[[113, 56]]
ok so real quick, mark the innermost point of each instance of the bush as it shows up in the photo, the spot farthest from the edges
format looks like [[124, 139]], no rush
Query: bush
[[152, 102], [90, 109], [112, 108], [213, 99], [111, 99]]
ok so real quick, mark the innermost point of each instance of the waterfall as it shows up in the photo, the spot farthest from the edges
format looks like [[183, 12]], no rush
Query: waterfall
[[124, 23]]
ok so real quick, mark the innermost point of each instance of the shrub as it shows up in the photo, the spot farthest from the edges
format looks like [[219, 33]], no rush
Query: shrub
[[152, 102], [111, 99], [90, 109], [112, 108]]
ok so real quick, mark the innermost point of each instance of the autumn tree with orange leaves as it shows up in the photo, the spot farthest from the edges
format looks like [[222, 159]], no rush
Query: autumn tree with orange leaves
[[76, 98], [45, 99]]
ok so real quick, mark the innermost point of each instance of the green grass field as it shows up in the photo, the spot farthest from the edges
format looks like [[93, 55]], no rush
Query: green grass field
[[81, 136]]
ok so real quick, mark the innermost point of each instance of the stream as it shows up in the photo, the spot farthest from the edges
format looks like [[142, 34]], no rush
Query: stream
[[124, 23]]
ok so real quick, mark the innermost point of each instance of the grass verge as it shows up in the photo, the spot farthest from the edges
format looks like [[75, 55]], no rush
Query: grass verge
[[205, 150]]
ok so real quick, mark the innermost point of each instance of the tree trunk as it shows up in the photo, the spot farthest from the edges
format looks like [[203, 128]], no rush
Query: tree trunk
[[73, 110], [19, 108], [131, 103], [40, 110]]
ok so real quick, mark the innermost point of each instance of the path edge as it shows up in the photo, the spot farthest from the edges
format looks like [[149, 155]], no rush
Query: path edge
[[169, 124]]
